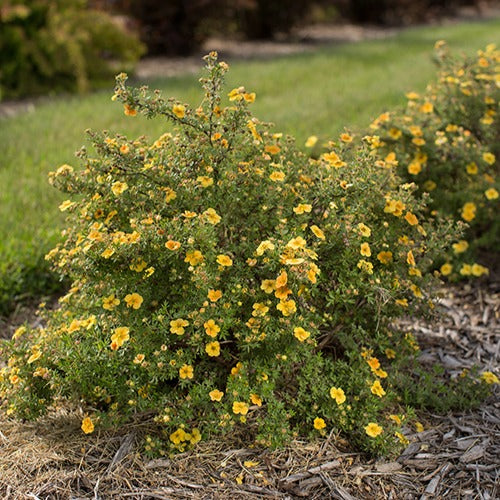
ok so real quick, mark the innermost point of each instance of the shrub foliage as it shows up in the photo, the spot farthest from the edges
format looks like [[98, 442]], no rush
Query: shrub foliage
[[224, 280], [46, 46], [447, 141]]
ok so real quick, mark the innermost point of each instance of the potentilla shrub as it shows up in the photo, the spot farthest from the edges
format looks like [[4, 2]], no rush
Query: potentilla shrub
[[224, 280], [447, 141]]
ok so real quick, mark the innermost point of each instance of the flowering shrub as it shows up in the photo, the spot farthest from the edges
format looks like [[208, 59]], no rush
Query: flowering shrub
[[224, 280], [446, 141]]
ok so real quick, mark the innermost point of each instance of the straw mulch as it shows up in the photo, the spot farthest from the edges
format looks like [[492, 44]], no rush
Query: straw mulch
[[455, 457]]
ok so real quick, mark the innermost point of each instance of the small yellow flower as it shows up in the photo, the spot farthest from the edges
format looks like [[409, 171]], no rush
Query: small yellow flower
[[302, 208], [133, 300], [365, 266], [121, 335], [177, 326], [211, 328], [411, 219], [224, 260], [65, 205], [205, 181], [377, 389], [110, 302], [87, 425], [256, 399], [216, 395], [272, 149], [212, 216], [390, 353], [301, 334], [194, 257], [338, 394], [119, 187], [186, 371], [365, 250], [179, 110], [318, 232], [414, 167], [319, 423], [311, 141], [268, 286], [490, 378], [427, 107], [214, 295], [469, 211], [364, 230], [471, 168], [410, 259], [265, 245], [346, 137], [240, 407], [277, 176], [460, 246], [287, 307], [172, 245], [259, 309], [297, 243], [419, 427], [385, 257], [446, 269], [213, 348], [489, 158], [373, 429], [129, 110], [491, 194]]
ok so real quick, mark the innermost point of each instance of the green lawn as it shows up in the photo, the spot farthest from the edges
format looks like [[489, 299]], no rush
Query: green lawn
[[315, 93]]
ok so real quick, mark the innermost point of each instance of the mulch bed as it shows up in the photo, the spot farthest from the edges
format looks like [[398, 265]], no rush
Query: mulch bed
[[455, 457]]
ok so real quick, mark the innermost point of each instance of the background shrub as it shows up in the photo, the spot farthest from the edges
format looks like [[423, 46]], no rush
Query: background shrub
[[48, 46], [223, 280], [447, 141]]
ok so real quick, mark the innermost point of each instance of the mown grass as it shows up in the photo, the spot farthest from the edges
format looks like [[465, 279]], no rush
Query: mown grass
[[314, 93]]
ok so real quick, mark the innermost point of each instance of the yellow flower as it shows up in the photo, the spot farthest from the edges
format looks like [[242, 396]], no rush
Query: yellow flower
[[268, 286], [410, 259], [212, 216], [319, 423], [213, 348], [177, 326], [311, 141], [338, 394], [272, 149], [446, 269], [479, 270], [172, 245], [460, 247], [373, 429], [365, 266], [139, 359], [491, 194], [318, 232], [395, 133], [124, 149], [239, 407], [466, 270], [345, 137], [416, 291], [472, 168], [256, 399], [120, 336], [490, 378], [411, 219], [365, 250], [65, 205], [205, 181], [373, 363], [259, 309], [385, 257], [224, 260], [119, 187], [390, 353], [265, 245], [301, 334], [36, 354], [211, 328], [87, 425], [214, 295], [110, 302], [138, 265], [489, 158], [302, 208], [216, 395], [282, 280], [277, 176], [287, 307], [419, 427], [469, 211], [377, 389], [179, 110], [129, 110], [186, 371], [364, 230], [133, 300], [188, 214], [297, 243], [194, 257], [427, 107], [178, 436]]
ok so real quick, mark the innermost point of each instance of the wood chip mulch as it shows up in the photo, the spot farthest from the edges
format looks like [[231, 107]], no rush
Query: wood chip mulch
[[455, 457]]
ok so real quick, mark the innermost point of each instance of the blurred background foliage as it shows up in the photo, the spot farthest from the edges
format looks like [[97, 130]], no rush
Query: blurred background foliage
[[48, 46]]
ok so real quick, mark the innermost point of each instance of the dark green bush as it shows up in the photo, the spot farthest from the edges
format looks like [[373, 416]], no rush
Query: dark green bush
[[48, 46]]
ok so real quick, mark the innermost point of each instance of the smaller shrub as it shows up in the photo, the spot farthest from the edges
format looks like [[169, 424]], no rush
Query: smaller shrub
[[226, 282], [447, 142], [48, 46]]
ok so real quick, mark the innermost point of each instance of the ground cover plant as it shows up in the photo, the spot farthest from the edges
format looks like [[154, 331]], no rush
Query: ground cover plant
[[447, 140], [224, 280], [374, 77]]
